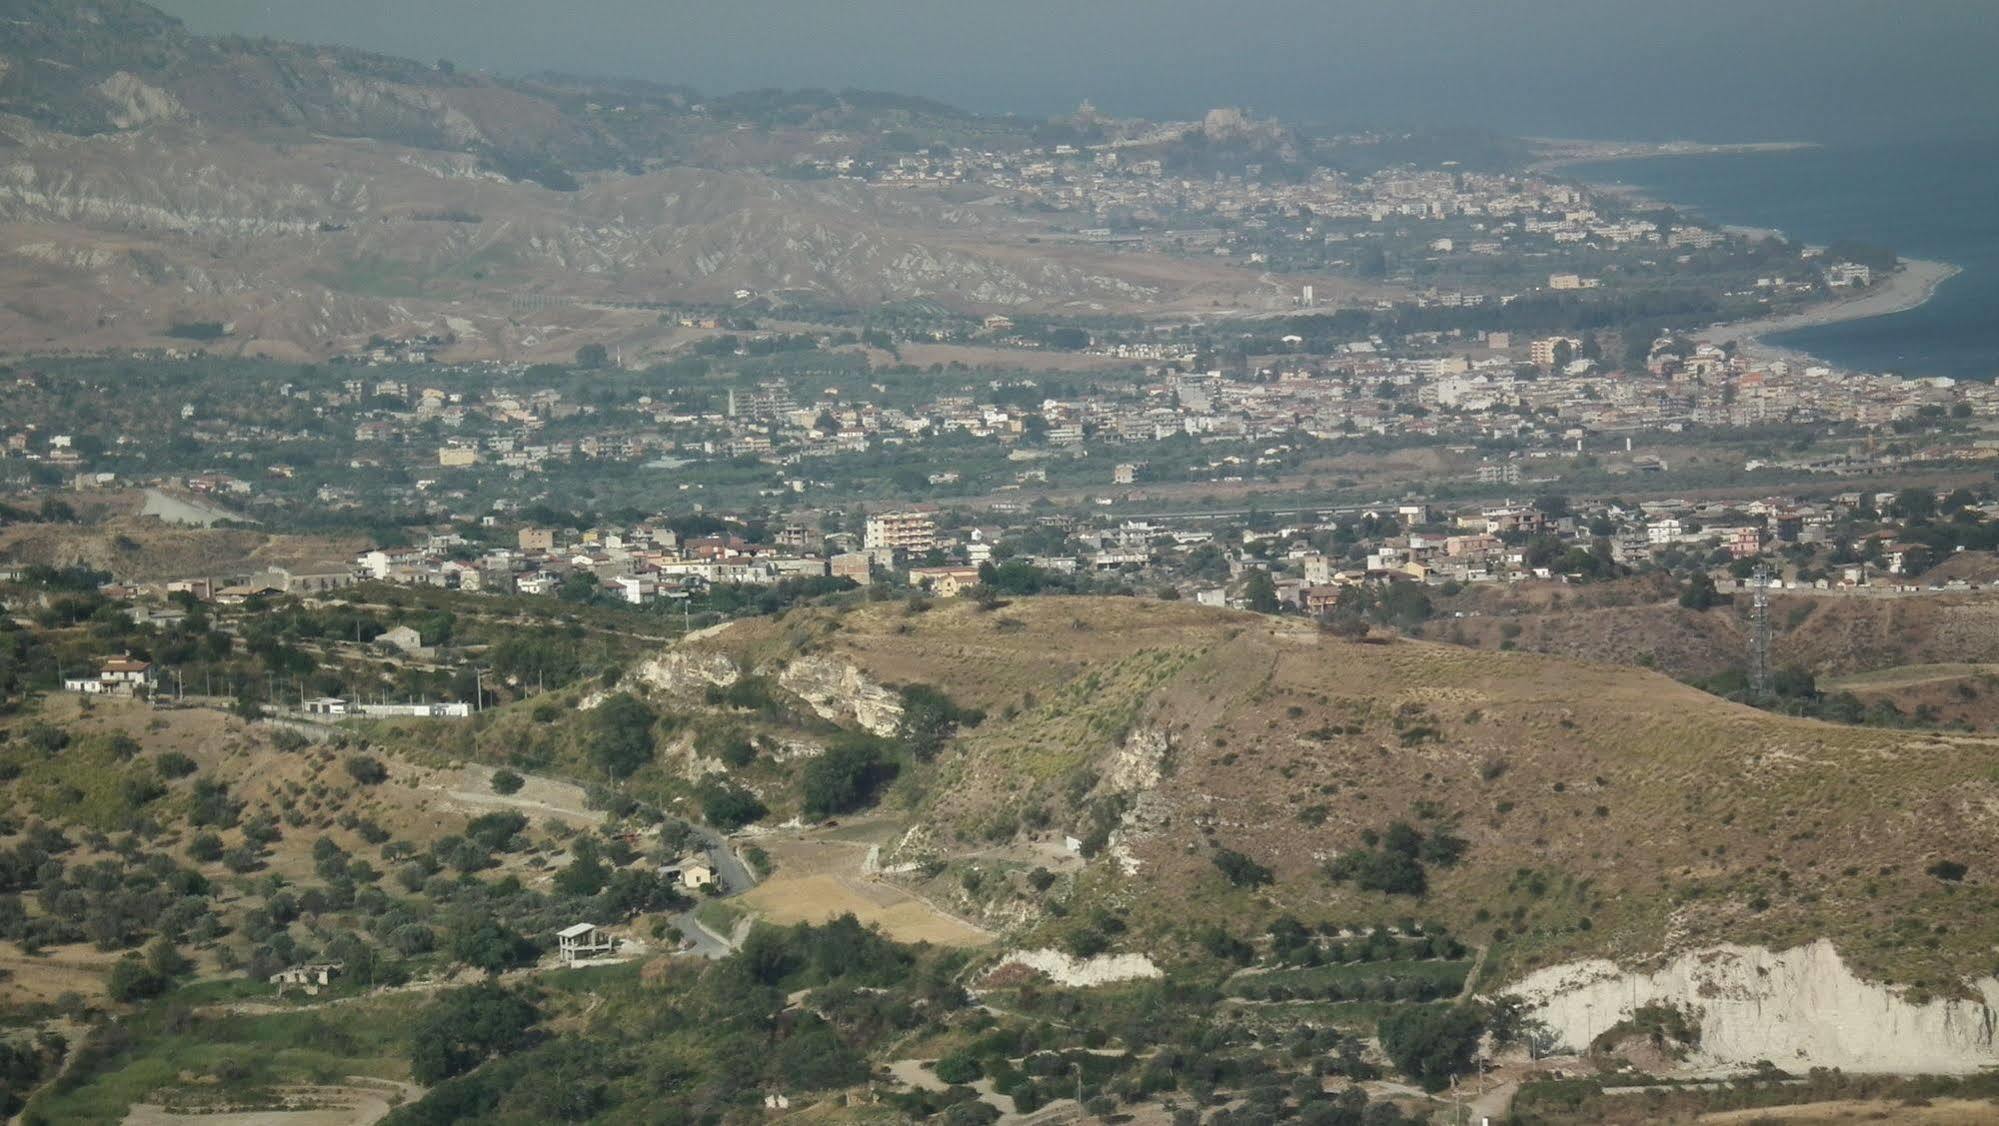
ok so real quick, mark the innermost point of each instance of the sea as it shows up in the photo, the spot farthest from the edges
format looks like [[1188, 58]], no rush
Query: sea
[[1929, 199]]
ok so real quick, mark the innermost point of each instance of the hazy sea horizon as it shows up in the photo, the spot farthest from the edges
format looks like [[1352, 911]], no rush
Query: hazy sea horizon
[[1925, 199]]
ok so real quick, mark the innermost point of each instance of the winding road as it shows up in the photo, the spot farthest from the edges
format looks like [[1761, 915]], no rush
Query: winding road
[[736, 879]]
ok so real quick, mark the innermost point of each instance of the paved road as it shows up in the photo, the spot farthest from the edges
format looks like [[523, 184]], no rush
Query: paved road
[[736, 876], [736, 879], [700, 939]]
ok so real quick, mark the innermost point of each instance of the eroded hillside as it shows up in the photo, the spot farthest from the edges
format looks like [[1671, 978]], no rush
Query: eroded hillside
[[1639, 621], [306, 199], [1601, 811]]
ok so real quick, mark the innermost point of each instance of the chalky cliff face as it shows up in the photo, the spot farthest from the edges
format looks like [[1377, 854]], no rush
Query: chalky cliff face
[[1799, 1008]]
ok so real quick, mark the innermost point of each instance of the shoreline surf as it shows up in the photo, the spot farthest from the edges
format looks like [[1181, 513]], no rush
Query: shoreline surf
[[1911, 286], [1914, 283]]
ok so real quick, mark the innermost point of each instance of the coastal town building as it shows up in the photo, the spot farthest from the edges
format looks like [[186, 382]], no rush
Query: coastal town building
[[913, 532]]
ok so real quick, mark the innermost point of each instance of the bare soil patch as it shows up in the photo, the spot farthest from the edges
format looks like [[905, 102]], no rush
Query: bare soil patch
[[818, 880], [1941, 1112]]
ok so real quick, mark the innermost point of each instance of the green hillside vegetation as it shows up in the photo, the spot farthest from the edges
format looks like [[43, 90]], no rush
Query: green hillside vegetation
[[1320, 840], [809, 1011]]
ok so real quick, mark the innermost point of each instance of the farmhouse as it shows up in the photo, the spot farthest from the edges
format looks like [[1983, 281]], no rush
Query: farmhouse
[[119, 676], [691, 872], [404, 638], [945, 582], [309, 977]]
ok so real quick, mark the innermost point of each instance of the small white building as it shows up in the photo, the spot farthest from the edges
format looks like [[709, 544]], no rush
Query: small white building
[[405, 638], [311, 977], [455, 709], [583, 940], [119, 676], [636, 589], [690, 872]]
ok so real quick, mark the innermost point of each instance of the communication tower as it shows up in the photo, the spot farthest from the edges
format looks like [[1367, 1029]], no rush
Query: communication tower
[[1759, 635]]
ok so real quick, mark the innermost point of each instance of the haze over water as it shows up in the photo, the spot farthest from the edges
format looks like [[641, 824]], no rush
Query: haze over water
[[1924, 199], [1711, 70]]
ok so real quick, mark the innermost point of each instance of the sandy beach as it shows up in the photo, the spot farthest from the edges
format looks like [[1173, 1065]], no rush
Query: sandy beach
[[1558, 152], [1904, 289], [1911, 285]]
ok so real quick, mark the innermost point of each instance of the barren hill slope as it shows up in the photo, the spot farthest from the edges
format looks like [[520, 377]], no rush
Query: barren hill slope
[[305, 245], [1639, 621], [1604, 810], [312, 197]]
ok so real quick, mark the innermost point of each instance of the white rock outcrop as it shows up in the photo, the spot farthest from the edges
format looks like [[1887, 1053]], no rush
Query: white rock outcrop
[[839, 692], [134, 103], [687, 672], [1797, 1008], [1139, 764], [1104, 969]]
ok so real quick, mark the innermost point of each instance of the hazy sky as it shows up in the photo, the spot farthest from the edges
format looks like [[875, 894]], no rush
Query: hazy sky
[[1706, 69]]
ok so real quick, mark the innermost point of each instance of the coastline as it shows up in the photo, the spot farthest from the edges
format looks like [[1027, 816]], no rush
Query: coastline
[[1558, 153], [1907, 288]]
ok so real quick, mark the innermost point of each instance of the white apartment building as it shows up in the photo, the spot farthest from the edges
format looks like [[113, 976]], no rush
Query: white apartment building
[[914, 532]]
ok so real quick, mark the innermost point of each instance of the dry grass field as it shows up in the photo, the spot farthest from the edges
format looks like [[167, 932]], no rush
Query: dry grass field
[[47, 975], [1941, 1112], [820, 878], [139, 548]]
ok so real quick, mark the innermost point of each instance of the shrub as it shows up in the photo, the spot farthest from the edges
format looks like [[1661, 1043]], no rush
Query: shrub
[[815, 1058], [843, 779], [464, 1027], [958, 1068], [505, 782], [1949, 870], [1431, 1043], [484, 944], [1669, 1029], [173, 764], [621, 735], [133, 979], [729, 808], [738, 752], [367, 770], [1241, 870], [496, 830], [1396, 868]]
